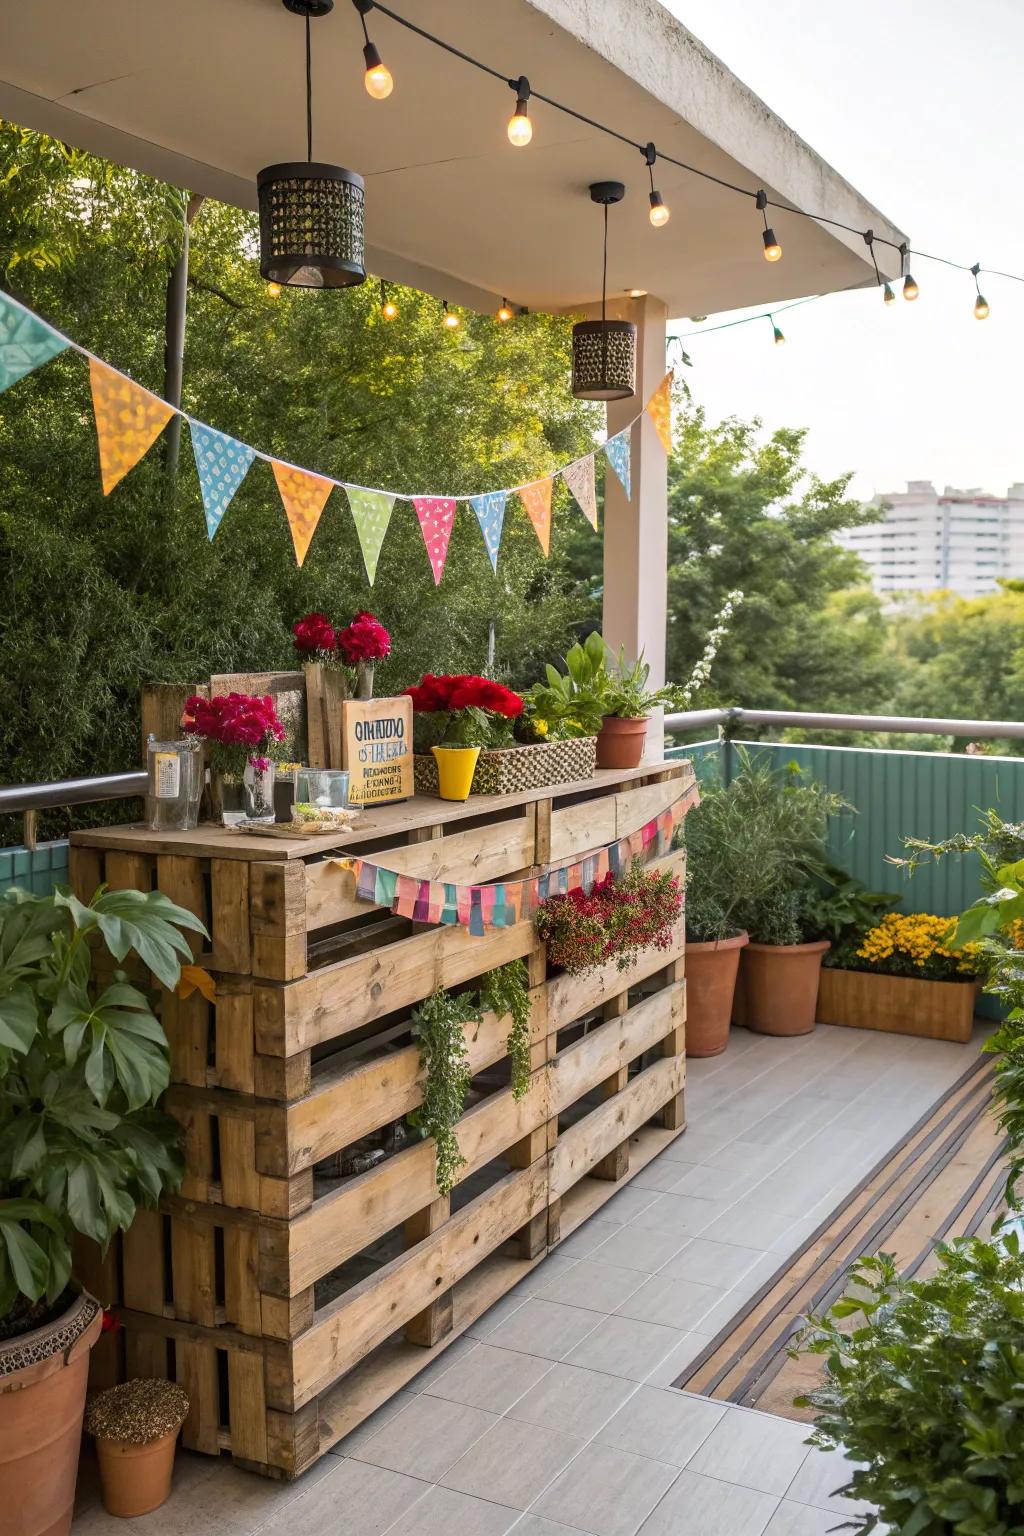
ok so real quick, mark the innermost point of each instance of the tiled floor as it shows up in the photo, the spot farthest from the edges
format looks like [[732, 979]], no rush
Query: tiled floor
[[555, 1414]]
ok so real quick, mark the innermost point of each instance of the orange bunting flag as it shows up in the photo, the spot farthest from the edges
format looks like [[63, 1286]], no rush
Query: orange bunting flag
[[304, 496], [659, 409], [128, 421], [536, 498]]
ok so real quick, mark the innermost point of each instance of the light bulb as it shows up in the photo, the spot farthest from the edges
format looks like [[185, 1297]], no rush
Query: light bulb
[[659, 214], [273, 290], [377, 79], [981, 308], [779, 338], [520, 129], [888, 297], [450, 320], [772, 248], [390, 310], [504, 313], [910, 288]]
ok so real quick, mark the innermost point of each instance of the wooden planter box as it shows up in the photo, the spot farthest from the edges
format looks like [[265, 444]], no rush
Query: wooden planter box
[[900, 1005], [511, 770], [289, 1293]]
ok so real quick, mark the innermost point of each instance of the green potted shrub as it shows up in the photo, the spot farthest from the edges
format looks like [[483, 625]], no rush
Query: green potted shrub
[[923, 1391], [714, 834], [599, 694], [628, 704], [83, 1062]]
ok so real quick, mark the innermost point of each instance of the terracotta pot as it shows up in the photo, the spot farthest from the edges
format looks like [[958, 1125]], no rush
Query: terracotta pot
[[777, 988], [620, 743], [41, 1406], [710, 984], [136, 1478]]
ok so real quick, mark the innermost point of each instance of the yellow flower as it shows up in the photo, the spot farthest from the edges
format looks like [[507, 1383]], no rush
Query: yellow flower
[[540, 727]]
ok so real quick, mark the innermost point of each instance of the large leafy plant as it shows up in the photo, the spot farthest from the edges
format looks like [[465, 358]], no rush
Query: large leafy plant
[[924, 1389], [83, 1062]]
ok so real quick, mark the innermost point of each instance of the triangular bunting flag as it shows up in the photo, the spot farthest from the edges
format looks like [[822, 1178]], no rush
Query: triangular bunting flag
[[579, 477], [26, 342], [436, 516], [617, 451], [490, 514], [536, 498], [222, 463], [304, 496], [128, 421], [659, 409], [371, 513]]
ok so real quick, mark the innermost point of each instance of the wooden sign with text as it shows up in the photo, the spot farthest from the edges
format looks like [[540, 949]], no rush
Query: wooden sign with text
[[376, 736]]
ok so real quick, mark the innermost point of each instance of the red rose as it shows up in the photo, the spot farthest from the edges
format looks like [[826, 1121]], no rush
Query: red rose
[[313, 634]]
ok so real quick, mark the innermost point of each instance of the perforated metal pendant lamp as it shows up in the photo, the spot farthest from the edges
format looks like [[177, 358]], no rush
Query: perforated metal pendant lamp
[[311, 213], [604, 351]]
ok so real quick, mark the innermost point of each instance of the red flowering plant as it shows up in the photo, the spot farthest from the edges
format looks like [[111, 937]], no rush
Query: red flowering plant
[[365, 639], [615, 920], [316, 638], [463, 710], [238, 728]]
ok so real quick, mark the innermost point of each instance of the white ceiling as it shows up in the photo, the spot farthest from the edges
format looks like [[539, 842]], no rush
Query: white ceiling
[[205, 92]]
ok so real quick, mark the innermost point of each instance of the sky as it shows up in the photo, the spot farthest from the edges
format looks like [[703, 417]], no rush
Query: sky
[[919, 105]]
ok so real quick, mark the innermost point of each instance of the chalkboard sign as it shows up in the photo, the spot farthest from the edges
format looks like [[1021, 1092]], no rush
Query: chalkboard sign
[[377, 749]]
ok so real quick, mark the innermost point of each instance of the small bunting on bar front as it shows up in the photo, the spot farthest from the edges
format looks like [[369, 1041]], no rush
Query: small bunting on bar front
[[490, 514], [26, 342], [371, 513], [304, 496], [659, 409], [617, 453], [222, 463], [436, 515], [128, 421], [536, 498], [579, 477]]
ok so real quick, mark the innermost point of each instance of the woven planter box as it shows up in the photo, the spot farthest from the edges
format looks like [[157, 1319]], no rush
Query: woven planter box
[[899, 1005], [510, 770]]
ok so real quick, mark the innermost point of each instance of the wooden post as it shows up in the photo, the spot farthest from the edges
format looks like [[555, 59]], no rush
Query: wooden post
[[430, 1325], [615, 1165]]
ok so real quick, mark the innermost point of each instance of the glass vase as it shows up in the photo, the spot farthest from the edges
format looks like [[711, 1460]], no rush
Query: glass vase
[[227, 797], [364, 679], [258, 788], [175, 785]]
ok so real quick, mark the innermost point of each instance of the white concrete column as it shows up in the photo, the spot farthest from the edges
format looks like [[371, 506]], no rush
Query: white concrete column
[[636, 530]]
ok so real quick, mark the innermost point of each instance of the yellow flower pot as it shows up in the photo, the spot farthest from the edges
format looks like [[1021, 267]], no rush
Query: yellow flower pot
[[455, 769]]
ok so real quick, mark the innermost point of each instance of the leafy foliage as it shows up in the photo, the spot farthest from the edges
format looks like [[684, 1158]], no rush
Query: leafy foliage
[[82, 1066], [505, 991], [927, 1390], [438, 1026], [615, 920]]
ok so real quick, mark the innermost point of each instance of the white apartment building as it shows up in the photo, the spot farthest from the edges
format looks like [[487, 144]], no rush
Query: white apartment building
[[961, 541]]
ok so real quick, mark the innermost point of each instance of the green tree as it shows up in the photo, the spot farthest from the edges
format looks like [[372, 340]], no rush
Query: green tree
[[963, 657]]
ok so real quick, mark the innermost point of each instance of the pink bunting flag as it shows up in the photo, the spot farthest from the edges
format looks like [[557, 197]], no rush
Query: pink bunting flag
[[536, 498], [436, 516]]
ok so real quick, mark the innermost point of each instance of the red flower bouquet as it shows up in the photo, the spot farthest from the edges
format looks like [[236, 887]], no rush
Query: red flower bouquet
[[365, 639], [315, 637], [617, 919], [463, 710], [239, 728]]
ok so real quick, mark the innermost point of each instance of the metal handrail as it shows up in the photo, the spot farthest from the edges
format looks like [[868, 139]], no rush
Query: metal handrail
[[730, 720], [49, 797]]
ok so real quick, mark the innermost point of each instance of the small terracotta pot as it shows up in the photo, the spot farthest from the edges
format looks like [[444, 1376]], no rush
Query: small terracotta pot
[[710, 984], [620, 743], [777, 987], [136, 1478]]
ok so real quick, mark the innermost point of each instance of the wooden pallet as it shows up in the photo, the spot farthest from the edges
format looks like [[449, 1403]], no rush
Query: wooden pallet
[[291, 1295], [945, 1179]]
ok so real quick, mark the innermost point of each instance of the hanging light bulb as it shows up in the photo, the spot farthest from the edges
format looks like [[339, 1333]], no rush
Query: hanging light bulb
[[273, 290], [449, 319], [388, 307], [659, 214], [888, 297], [377, 79], [777, 334], [772, 248], [520, 129], [910, 288], [504, 314], [980, 303]]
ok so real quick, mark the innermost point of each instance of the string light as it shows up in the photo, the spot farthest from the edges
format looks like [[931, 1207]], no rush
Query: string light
[[772, 248], [910, 288], [273, 290], [980, 303], [888, 297], [659, 214], [449, 319], [388, 307], [504, 314], [887, 294], [377, 79], [779, 338], [520, 129]]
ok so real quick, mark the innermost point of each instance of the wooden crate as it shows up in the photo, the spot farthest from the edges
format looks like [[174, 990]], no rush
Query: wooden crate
[[290, 1298]]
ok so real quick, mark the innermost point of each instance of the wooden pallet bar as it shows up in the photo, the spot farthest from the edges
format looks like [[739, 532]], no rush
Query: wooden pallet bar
[[308, 1267]]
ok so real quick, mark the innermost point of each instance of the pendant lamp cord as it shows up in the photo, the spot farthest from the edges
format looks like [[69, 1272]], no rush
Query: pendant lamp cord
[[309, 95], [604, 290]]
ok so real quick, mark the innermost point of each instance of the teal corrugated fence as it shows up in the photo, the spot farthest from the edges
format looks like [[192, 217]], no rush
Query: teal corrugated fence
[[37, 870]]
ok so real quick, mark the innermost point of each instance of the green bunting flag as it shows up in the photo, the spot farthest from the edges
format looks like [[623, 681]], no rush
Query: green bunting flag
[[371, 513], [26, 342]]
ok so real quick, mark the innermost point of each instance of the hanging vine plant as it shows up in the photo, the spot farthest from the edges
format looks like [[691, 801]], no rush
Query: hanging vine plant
[[439, 1028], [505, 991]]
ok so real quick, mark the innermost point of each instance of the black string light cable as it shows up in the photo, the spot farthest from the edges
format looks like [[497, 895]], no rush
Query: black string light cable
[[760, 197]]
